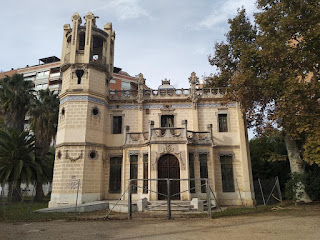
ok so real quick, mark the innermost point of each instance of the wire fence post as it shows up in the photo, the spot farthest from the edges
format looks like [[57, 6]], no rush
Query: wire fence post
[[11, 187], [279, 190], [264, 201], [3, 200], [32, 197], [208, 198], [239, 193], [169, 199], [275, 184], [130, 201], [75, 209], [214, 196]]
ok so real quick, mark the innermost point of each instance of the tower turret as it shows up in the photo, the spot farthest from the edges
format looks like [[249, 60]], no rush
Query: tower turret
[[87, 67]]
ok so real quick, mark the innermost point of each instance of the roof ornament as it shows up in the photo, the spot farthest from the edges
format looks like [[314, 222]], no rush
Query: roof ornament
[[193, 80], [141, 84]]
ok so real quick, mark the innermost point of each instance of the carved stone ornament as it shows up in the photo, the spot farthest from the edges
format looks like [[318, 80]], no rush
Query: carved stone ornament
[[74, 159], [140, 97], [167, 109], [168, 149], [193, 80]]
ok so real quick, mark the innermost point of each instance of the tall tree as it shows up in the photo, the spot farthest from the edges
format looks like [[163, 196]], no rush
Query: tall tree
[[15, 98], [269, 157], [272, 69], [43, 122], [17, 163]]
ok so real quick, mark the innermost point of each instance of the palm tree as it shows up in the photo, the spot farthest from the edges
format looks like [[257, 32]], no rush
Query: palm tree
[[17, 163], [43, 122], [15, 98]]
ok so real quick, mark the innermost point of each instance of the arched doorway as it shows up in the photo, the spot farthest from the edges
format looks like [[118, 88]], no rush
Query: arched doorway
[[168, 167]]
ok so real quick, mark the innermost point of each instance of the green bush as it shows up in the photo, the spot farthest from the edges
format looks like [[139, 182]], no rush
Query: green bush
[[311, 181], [293, 186]]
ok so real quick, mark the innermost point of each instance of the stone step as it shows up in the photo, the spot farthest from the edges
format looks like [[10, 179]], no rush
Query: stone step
[[165, 210], [175, 206]]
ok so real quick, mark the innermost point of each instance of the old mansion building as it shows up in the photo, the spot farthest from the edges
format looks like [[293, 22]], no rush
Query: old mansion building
[[106, 137]]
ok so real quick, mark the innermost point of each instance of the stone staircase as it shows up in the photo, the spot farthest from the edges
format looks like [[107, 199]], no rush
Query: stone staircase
[[159, 206], [177, 206]]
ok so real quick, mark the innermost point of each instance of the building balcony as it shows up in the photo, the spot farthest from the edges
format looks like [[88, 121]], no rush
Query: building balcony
[[169, 135], [123, 94]]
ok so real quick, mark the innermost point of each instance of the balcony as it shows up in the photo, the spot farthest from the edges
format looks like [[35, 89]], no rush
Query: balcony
[[169, 135], [199, 138], [98, 60], [123, 94]]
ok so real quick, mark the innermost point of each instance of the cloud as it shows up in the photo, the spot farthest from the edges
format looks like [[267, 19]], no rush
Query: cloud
[[124, 9], [222, 11]]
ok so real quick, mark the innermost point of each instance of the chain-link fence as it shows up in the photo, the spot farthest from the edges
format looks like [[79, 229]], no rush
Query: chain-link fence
[[12, 194], [16, 197], [267, 191]]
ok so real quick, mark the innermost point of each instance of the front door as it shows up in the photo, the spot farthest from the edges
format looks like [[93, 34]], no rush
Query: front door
[[168, 167]]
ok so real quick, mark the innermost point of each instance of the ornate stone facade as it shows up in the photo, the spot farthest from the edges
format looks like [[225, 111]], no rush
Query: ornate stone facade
[[107, 137]]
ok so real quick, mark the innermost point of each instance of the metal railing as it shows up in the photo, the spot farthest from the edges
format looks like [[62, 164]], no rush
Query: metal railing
[[132, 183]]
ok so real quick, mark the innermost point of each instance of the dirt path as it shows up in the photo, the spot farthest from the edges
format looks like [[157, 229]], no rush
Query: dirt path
[[299, 223]]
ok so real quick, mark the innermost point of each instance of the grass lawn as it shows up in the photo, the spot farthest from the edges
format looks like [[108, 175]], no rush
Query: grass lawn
[[24, 212]]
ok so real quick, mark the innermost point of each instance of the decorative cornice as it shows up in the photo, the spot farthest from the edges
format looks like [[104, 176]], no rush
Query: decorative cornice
[[135, 106], [80, 144], [226, 146], [75, 98]]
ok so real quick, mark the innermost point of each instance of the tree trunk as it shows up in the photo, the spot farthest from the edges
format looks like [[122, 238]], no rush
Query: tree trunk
[[14, 193], [39, 192], [297, 166]]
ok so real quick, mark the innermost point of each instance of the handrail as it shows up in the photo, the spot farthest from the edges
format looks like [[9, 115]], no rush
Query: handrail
[[169, 195], [106, 217]]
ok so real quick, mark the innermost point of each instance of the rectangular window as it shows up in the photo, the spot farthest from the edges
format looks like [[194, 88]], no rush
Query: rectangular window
[[117, 125], [191, 173], [167, 121], [145, 173], [223, 122], [115, 175], [134, 171], [227, 173], [125, 85], [203, 159]]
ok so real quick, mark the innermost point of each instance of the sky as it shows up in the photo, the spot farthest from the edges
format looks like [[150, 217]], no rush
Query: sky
[[160, 39]]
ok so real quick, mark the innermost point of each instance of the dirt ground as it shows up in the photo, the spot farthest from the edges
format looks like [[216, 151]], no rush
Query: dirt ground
[[300, 222]]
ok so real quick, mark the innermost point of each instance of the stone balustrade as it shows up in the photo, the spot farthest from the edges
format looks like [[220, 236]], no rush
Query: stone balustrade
[[123, 94], [152, 94], [168, 134], [199, 137], [137, 137]]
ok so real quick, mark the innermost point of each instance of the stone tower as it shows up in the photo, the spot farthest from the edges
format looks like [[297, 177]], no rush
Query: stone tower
[[87, 67]]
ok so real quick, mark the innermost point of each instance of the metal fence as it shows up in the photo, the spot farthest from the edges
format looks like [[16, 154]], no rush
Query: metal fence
[[21, 196], [267, 191], [12, 195], [132, 183]]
